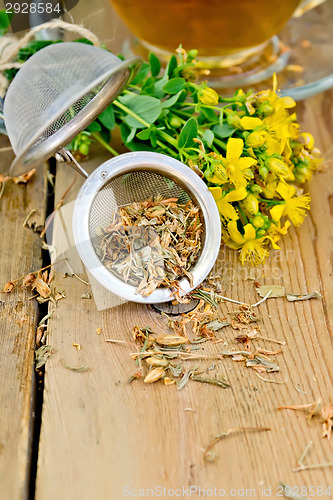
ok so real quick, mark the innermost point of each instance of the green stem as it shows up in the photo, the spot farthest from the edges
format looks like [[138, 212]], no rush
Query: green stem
[[107, 146], [272, 202], [162, 134], [242, 214], [131, 113], [220, 143]]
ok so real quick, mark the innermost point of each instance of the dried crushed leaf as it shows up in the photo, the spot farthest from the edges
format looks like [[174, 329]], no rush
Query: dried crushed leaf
[[42, 288], [292, 297], [216, 324], [185, 378], [45, 318], [276, 291], [213, 381], [41, 355], [262, 364], [78, 369]]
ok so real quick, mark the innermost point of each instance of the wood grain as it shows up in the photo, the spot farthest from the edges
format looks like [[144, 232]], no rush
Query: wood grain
[[100, 434], [20, 253]]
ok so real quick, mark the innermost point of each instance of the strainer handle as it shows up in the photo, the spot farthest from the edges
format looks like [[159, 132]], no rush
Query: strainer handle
[[65, 156]]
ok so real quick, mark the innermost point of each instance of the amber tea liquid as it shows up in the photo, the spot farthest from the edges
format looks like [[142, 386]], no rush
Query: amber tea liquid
[[214, 27]]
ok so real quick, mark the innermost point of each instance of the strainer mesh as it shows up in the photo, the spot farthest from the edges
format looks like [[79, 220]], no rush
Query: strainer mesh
[[69, 114], [126, 189], [130, 188], [51, 88]]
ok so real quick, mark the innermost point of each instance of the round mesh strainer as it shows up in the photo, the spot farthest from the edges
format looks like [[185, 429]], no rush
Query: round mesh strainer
[[134, 177], [58, 92]]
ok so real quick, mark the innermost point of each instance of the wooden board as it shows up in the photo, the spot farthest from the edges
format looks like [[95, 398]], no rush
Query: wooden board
[[20, 254], [102, 437]]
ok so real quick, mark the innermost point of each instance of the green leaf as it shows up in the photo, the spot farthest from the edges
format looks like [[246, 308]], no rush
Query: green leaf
[[223, 131], [94, 127], [146, 107], [131, 134], [148, 133], [171, 101], [107, 118], [188, 133], [105, 134], [172, 65], [158, 87], [174, 85], [141, 74], [145, 134], [5, 20], [208, 137], [155, 65], [210, 114]]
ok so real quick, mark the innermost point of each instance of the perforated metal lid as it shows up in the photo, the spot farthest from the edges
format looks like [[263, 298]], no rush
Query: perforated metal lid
[[58, 92]]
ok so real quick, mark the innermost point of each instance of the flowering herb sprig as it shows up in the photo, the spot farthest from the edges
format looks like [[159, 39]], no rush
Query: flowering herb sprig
[[248, 148]]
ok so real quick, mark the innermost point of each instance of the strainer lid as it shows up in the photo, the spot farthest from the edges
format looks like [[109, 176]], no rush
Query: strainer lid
[[57, 93]]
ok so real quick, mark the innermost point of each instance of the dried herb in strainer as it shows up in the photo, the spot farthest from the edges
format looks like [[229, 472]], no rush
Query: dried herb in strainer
[[152, 243]]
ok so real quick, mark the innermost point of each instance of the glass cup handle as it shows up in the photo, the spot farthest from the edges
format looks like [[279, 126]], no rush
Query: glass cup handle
[[305, 6]]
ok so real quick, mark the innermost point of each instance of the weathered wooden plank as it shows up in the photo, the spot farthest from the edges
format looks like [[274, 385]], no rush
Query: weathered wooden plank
[[20, 253], [101, 436]]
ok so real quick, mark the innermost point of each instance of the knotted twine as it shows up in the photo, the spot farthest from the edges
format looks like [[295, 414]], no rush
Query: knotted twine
[[10, 45]]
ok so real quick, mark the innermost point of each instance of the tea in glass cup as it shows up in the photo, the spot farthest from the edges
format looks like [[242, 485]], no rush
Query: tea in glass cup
[[227, 30]]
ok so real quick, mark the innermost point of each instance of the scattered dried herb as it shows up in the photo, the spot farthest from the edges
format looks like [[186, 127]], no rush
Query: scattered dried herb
[[41, 355], [276, 291], [210, 457], [78, 369], [325, 415], [262, 364], [302, 466], [292, 297], [152, 243], [213, 381]]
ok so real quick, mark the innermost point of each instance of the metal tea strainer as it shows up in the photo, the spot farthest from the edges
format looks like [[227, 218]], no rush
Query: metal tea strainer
[[56, 94]]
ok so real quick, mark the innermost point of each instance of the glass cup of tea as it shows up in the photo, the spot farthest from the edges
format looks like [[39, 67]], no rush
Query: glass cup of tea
[[225, 32]]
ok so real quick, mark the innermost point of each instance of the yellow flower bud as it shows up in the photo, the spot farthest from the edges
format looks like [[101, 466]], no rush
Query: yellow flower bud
[[234, 121], [277, 167], [257, 221], [256, 139], [208, 96], [251, 204]]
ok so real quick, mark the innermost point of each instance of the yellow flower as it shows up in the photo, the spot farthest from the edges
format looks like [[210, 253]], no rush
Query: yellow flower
[[252, 248], [237, 167], [224, 202], [293, 207], [250, 122]]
